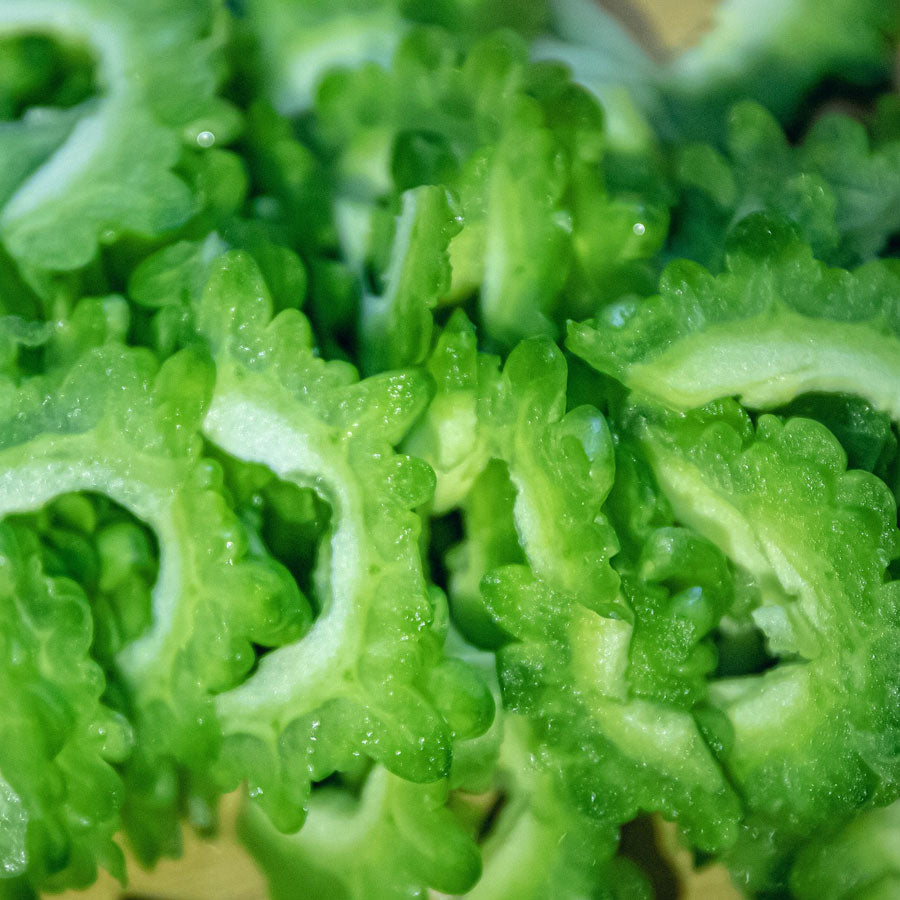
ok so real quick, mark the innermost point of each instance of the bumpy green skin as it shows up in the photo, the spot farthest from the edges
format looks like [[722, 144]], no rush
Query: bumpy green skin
[[300, 41], [104, 168], [535, 842], [112, 425], [865, 433], [396, 840], [858, 860], [467, 149], [343, 718], [561, 464], [628, 574], [613, 749], [679, 587], [449, 437], [840, 186], [813, 739], [167, 284], [775, 324], [521, 146], [60, 798], [111, 555], [602, 667], [396, 327], [540, 843], [369, 678]]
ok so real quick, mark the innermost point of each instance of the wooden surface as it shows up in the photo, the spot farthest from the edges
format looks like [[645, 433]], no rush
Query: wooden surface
[[220, 869], [675, 24]]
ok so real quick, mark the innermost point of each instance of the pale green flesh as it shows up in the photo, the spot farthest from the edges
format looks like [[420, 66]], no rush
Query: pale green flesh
[[665, 738], [91, 135], [771, 714], [766, 363], [761, 549], [295, 447], [773, 710], [48, 467], [13, 832]]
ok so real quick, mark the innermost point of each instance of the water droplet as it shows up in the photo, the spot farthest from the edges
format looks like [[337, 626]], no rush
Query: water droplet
[[206, 139], [638, 228]]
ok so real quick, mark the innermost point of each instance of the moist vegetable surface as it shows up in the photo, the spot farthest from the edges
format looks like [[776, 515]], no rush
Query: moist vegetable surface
[[465, 429]]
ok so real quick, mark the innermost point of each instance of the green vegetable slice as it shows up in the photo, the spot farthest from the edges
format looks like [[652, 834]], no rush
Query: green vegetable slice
[[777, 323], [369, 677], [302, 41], [521, 147], [839, 186], [89, 174], [114, 425], [396, 327], [451, 437], [813, 738], [393, 841], [540, 844], [569, 626], [59, 794]]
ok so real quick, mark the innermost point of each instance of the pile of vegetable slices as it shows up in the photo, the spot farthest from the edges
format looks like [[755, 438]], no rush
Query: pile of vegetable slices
[[461, 427]]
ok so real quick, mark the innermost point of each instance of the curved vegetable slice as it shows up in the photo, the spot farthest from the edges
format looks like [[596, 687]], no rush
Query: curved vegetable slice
[[570, 627], [541, 844], [115, 426], [395, 328], [561, 464], [393, 841], [814, 737], [613, 752], [369, 677], [506, 168], [110, 170], [777, 323], [522, 147], [59, 795]]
